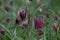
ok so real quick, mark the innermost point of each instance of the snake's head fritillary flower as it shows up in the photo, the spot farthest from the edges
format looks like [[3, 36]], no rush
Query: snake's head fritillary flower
[[11, 2], [47, 15], [22, 14], [17, 21], [8, 20], [55, 26], [2, 31], [25, 23], [7, 8], [38, 22], [56, 17]]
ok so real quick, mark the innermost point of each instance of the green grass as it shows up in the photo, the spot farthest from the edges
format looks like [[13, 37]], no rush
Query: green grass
[[16, 32]]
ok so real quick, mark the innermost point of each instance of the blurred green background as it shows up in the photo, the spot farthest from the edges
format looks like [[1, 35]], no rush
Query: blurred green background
[[16, 32]]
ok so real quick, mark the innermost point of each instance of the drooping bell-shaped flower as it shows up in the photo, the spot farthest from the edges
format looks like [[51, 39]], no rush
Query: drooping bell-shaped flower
[[8, 20], [22, 14], [56, 17], [17, 21], [2, 31], [11, 2], [38, 22], [7, 8], [47, 15], [55, 25], [25, 23]]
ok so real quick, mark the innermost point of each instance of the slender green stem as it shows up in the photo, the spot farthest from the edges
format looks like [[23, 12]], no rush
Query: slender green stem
[[6, 29]]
